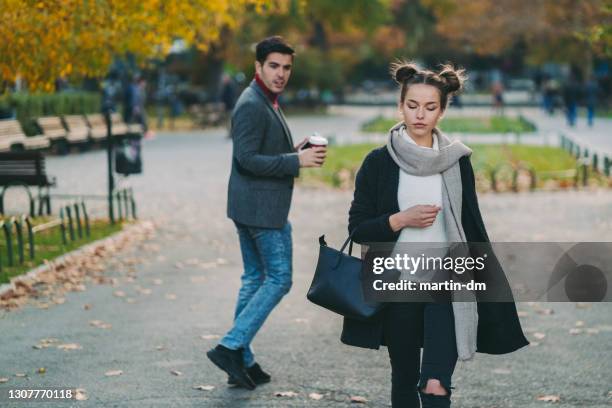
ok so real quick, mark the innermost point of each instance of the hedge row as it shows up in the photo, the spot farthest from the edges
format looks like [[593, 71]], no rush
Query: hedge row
[[26, 107]]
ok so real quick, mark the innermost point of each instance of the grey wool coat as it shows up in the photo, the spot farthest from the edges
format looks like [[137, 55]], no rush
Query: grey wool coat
[[264, 162]]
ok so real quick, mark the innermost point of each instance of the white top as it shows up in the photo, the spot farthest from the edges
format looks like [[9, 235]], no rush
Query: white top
[[416, 190]]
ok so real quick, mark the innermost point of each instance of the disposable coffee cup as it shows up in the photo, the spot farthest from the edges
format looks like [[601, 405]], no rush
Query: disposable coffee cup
[[316, 140]]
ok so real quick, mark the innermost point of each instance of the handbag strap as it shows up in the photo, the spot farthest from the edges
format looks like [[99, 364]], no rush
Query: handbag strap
[[349, 242]]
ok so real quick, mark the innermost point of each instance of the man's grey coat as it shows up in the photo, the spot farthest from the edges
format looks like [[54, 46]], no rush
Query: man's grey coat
[[264, 162]]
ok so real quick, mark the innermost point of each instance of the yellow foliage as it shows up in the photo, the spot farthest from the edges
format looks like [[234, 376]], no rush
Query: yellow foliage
[[45, 40]]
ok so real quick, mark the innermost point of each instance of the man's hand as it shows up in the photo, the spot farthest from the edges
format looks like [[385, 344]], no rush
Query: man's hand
[[312, 157], [301, 144]]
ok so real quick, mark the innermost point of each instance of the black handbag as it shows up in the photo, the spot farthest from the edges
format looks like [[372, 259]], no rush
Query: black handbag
[[337, 283]]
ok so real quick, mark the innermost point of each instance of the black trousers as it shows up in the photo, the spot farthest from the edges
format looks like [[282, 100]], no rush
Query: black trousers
[[407, 326]]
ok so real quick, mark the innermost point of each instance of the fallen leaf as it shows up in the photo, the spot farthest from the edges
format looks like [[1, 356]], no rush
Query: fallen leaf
[[80, 394], [176, 372], [315, 396], [285, 394], [582, 305], [192, 261], [204, 387], [549, 398], [42, 370], [207, 265], [539, 336], [59, 301], [100, 324], [87, 306], [113, 373], [210, 336], [69, 346], [358, 400], [592, 331]]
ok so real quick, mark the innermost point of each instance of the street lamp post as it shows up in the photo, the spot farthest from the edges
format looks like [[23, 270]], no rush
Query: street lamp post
[[109, 162]]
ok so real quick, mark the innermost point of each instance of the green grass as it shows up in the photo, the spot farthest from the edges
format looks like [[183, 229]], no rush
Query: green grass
[[480, 125], [342, 162], [48, 245]]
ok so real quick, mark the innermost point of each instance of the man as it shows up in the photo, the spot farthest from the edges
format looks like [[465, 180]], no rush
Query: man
[[264, 165]]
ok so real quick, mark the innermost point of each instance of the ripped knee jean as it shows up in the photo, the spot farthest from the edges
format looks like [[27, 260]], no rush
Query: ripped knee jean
[[404, 324]]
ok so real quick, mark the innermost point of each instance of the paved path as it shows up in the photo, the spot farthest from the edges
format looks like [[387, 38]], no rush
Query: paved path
[[198, 263]]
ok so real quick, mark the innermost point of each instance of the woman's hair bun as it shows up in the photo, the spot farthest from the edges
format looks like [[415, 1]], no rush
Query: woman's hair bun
[[453, 78], [402, 71]]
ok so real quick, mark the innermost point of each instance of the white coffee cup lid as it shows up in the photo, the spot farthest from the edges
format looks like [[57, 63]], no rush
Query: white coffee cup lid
[[317, 140]]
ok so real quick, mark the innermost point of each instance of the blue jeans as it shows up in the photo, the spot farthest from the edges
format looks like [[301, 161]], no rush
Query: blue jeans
[[267, 259]]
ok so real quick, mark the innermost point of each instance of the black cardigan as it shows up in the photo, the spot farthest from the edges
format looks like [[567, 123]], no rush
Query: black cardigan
[[375, 199]]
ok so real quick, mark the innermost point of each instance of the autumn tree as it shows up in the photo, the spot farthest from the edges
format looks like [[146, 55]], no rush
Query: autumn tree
[[45, 40], [571, 31]]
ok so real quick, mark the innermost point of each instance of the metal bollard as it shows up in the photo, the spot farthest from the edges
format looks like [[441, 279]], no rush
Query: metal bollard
[[77, 215], [70, 223], [30, 237], [7, 227], [119, 210], [86, 219], [133, 203], [126, 203], [63, 226], [19, 230]]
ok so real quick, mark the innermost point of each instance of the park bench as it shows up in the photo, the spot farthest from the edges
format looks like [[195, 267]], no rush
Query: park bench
[[13, 138], [209, 114], [119, 127], [97, 126], [78, 131], [52, 127], [26, 169]]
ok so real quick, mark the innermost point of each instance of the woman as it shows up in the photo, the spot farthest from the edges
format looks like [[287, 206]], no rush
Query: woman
[[420, 188]]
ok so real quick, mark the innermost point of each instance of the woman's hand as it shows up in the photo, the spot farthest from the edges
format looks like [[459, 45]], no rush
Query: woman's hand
[[418, 216]]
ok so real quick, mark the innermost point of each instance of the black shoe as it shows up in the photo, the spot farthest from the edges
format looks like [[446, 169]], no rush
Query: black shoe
[[434, 401], [231, 361], [258, 375]]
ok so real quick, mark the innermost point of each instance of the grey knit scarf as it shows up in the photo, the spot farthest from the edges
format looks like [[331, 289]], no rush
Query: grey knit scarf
[[421, 161]]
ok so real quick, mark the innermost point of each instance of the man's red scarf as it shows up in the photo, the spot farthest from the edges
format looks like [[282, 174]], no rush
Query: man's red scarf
[[271, 95]]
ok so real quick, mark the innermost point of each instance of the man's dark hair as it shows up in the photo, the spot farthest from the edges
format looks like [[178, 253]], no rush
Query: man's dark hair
[[272, 44]]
